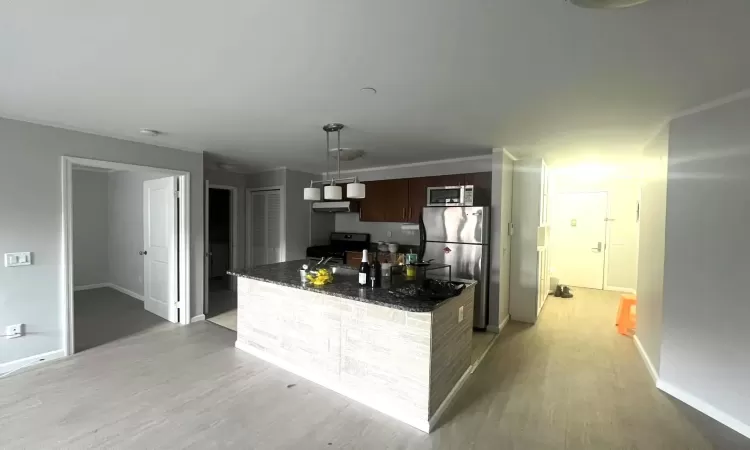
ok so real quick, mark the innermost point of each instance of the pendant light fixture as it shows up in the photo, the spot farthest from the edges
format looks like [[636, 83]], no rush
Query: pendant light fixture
[[331, 186]]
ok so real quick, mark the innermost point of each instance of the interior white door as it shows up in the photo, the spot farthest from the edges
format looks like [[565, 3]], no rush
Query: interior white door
[[160, 247], [265, 227], [578, 237]]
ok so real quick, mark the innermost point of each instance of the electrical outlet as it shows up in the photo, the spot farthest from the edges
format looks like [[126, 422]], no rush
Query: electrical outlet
[[460, 314], [14, 331]]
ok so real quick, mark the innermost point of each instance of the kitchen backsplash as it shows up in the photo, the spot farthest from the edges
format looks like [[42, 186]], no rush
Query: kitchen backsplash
[[378, 230]]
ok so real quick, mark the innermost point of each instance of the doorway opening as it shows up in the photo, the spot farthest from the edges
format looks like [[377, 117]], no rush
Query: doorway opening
[[221, 245], [125, 258]]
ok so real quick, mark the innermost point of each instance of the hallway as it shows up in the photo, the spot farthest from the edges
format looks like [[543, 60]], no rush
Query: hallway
[[569, 382]]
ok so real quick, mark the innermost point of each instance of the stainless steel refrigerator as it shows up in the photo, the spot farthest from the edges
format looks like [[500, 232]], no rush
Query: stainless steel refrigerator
[[460, 236]]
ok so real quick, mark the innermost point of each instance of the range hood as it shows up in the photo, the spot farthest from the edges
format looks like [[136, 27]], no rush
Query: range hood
[[335, 207]]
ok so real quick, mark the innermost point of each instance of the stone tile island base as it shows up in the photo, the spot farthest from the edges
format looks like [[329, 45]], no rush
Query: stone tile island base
[[406, 364]]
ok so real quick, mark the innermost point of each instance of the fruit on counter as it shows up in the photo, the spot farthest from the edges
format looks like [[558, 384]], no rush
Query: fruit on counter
[[319, 278]]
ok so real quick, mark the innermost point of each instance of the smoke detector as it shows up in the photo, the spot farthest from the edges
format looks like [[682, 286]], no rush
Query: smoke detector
[[606, 4]]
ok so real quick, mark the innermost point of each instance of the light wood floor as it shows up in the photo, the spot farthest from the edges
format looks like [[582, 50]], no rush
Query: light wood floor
[[569, 382]]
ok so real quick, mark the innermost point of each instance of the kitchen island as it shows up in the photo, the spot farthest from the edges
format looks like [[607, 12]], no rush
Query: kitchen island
[[402, 356]]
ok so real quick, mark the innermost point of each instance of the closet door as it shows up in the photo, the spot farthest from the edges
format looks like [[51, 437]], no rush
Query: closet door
[[273, 227], [259, 229], [265, 223]]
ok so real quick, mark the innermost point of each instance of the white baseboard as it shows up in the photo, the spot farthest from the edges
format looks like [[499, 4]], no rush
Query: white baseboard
[[705, 408], [620, 289], [369, 400], [651, 369], [451, 395], [126, 291], [86, 287], [198, 318], [31, 361], [499, 328]]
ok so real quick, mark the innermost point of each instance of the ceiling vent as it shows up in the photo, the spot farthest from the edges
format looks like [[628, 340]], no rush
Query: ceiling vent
[[606, 4]]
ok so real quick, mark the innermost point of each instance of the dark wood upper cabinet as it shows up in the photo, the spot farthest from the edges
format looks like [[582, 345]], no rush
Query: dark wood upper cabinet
[[402, 200], [482, 182], [417, 197], [385, 201]]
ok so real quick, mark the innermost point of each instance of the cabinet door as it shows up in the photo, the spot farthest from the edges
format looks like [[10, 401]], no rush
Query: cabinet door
[[385, 201], [482, 182], [417, 197], [370, 207], [395, 200]]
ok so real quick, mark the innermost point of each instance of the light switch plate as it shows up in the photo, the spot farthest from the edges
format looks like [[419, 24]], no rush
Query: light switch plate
[[17, 259], [460, 314]]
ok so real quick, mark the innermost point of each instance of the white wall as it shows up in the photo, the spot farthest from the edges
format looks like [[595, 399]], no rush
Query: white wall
[[298, 214], [30, 191], [379, 231], [621, 182], [706, 311], [651, 244], [502, 197], [90, 230], [526, 218], [125, 213]]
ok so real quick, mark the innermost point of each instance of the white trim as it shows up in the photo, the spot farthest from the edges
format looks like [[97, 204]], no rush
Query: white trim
[[499, 328], [66, 267], [400, 166], [709, 410], [651, 369], [373, 401], [249, 223], [198, 318], [92, 169], [31, 361], [127, 292], [86, 287], [234, 217], [448, 399], [620, 289]]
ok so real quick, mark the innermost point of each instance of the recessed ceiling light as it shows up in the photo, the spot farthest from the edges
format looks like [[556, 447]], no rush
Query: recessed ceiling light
[[149, 132], [369, 90]]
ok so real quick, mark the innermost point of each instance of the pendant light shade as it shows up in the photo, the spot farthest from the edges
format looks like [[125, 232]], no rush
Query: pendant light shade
[[355, 190], [312, 193], [332, 192]]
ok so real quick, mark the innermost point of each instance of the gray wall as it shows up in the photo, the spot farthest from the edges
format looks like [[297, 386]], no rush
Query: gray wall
[[524, 273], [276, 177], [706, 307], [379, 231], [32, 156], [90, 230], [502, 198], [298, 212], [125, 213], [651, 242], [238, 180]]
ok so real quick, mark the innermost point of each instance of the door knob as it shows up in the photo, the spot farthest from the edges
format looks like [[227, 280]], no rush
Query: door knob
[[144, 252], [598, 248]]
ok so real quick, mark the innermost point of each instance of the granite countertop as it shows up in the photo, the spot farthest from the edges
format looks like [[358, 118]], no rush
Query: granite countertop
[[344, 286]]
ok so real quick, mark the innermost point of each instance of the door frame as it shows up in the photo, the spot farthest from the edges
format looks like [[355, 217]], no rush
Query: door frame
[[249, 223], [607, 221], [233, 217], [183, 248]]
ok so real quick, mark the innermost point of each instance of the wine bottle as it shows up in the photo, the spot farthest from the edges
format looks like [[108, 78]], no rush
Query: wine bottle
[[376, 272], [364, 269]]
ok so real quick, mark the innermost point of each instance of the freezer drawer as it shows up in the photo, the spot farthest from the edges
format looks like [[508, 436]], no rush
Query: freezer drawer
[[468, 262]]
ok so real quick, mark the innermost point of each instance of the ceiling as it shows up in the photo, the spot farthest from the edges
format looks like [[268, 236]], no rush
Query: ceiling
[[252, 82]]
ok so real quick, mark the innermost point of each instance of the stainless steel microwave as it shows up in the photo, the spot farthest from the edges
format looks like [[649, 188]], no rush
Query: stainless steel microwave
[[450, 196]]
